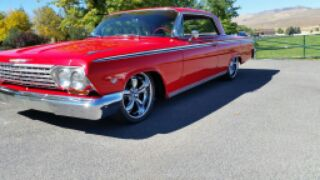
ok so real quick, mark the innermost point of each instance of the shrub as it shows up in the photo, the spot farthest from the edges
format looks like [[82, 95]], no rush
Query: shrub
[[11, 39], [30, 39], [16, 39], [293, 30], [280, 31]]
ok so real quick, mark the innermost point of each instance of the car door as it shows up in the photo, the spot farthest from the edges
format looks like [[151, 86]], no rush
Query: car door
[[201, 60]]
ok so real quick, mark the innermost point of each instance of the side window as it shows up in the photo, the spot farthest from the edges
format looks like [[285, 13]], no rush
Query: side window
[[203, 24]]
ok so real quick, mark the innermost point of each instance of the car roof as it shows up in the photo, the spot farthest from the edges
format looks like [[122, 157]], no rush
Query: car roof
[[177, 9]]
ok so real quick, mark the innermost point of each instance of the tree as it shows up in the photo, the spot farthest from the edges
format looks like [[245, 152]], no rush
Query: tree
[[119, 5], [317, 29], [80, 17], [225, 10], [2, 27], [290, 30], [242, 28], [280, 31], [47, 23], [2, 15], [17, 19], [297, 30]]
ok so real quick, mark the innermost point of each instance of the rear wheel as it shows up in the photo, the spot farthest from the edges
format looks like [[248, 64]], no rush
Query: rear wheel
[[138, 98], [233, 69]]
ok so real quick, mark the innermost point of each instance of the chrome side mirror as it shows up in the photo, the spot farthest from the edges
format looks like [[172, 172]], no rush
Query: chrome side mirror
[[194, 35]]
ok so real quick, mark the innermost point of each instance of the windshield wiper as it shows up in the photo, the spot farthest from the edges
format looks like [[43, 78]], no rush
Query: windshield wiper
[[94, 36], [127, 35]]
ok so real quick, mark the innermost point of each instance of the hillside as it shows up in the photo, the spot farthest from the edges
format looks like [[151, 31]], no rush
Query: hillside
[[297, 16]]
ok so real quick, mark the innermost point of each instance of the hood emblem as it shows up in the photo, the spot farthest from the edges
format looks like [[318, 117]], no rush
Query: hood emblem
[[18, 60]]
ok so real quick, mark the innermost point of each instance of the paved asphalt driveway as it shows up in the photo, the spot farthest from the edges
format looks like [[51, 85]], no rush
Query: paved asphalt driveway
[[263, 125]]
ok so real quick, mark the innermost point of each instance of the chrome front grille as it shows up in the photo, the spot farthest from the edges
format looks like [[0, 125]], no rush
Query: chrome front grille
[[28, 75]]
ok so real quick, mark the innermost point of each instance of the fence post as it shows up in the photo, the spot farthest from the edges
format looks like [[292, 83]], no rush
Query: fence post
[[304, 46]]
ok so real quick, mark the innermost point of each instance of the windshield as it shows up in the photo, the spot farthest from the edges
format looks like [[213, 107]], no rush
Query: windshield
[[140, 23]]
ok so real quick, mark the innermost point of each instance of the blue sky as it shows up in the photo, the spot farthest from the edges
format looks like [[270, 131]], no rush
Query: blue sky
[[28, 5], [247, 6], [253, 6]]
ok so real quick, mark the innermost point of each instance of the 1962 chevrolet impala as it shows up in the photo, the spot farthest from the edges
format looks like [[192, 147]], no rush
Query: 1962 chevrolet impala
[[131, 58]]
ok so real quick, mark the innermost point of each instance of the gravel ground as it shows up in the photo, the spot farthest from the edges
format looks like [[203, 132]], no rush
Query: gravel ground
[[263, 125]]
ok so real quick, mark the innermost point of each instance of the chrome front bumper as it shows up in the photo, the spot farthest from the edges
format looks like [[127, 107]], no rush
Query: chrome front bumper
[[84, 108]]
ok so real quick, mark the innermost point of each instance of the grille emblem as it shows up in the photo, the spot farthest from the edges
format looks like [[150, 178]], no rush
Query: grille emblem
[[18, 60]]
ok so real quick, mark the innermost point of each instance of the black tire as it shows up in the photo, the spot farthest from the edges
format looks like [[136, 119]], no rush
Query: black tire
[[143, 101], [233, 69]]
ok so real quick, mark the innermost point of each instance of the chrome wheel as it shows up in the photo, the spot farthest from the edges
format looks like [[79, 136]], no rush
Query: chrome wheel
[[233, 68], [138, 96]]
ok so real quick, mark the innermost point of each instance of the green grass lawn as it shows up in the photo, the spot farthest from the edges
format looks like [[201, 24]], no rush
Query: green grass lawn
[[288, 47]]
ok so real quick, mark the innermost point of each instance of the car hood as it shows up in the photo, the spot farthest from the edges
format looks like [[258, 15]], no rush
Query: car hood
[[84, 51]]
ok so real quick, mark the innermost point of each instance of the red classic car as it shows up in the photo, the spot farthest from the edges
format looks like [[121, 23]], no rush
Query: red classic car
[[131, 58]]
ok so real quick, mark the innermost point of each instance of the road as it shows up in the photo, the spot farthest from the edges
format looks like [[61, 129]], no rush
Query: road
[[263, 125]]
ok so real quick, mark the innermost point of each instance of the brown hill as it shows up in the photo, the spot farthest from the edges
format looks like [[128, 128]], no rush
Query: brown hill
[[297, 16]]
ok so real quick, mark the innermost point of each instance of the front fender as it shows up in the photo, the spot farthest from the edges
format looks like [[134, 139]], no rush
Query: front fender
[[111, 76]]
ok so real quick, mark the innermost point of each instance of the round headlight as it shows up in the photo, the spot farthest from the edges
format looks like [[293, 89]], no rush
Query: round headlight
[[79, 81], [72, 79], [62, 77]]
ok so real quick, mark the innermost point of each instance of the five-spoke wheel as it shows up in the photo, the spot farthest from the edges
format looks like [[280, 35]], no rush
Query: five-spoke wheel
[[138, 98]]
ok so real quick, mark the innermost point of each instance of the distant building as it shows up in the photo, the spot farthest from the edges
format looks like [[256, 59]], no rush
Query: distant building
[[265, 32]]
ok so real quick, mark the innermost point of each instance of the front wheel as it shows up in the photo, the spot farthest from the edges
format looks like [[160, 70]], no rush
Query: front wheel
[[233, 69], [138, 98]]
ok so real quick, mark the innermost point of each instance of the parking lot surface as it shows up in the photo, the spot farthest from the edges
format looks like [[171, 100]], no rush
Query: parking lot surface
[[263, 125]]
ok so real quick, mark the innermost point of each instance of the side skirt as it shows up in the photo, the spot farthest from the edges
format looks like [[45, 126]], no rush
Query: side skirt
[[184, 89]]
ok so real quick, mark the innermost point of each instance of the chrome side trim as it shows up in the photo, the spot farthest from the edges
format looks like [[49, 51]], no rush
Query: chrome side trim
[[85, 108], [167, 50], [153, 52], [184, 89]]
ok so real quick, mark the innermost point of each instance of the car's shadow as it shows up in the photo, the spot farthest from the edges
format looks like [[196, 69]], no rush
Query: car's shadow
[[170, 115]]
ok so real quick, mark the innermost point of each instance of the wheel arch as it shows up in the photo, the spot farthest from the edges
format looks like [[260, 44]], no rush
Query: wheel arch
[[240, 59], [237, 56], [159, 80], [160, 89]]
